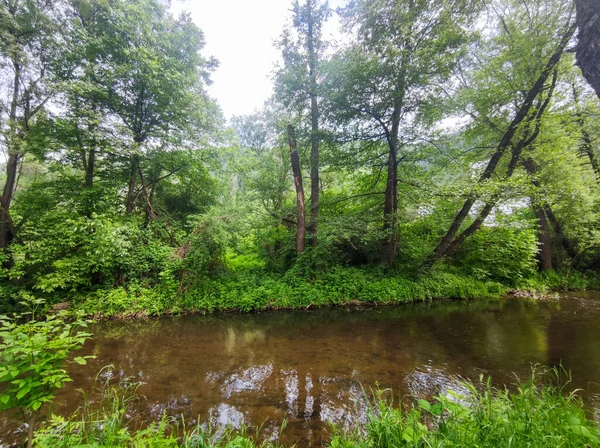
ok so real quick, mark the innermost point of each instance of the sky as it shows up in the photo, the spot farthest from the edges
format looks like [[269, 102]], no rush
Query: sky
[[240, 34]]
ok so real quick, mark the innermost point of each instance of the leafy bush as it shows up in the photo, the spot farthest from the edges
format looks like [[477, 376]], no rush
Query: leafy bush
[[502, 254], [31, 361]]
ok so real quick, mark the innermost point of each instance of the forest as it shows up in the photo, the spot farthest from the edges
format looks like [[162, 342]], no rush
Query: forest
[[440, 151], [435, 150]]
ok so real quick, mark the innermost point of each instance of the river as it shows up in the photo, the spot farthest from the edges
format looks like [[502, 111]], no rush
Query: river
[[318, 366]]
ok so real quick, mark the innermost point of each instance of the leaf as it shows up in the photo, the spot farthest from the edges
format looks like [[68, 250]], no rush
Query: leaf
[[437, 409], [424, 404]]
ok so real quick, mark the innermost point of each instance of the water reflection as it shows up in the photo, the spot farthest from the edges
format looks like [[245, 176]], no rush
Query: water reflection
[[310, 367]]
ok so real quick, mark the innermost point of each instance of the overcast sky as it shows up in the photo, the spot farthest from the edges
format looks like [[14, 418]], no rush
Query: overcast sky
[[240, 34]]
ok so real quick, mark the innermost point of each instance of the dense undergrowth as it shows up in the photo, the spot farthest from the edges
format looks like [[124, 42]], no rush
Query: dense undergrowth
[[247, 290], [538, 413], [251, 291]]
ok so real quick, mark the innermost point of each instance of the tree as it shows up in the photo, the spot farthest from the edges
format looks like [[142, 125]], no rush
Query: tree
[[149, 76], [31, 34], [531, 101], [300, 213], [298, 83], [383, 81]]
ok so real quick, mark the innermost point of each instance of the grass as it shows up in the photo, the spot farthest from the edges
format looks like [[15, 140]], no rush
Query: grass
[[110, 422], [255, 290], [539, 413], [533, 416]]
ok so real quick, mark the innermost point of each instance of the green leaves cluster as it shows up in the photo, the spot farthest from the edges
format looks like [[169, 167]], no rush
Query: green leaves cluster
[[32, 357]]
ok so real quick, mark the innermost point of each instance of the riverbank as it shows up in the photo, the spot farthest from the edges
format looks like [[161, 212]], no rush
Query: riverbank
[[258, 291], [255, 290]]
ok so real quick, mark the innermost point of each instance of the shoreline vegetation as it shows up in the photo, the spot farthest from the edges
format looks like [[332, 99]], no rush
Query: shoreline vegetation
[[260, 291], [537, 412]]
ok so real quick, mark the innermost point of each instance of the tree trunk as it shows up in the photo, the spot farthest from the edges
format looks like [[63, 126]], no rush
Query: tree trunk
[[545, 244], [6, 228], [588, 41], [130, 201], [300, 214], [557, 227], [314, 118], [389, 245], [89, 168], [586, 147], [531, 169], [150, 215], [538, 87]]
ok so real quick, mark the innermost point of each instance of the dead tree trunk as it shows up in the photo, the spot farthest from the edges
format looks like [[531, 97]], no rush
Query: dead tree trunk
[[588, 41], [538, 87], [300, 213]]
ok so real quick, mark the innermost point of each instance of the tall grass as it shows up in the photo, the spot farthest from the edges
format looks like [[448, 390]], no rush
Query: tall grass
[[533, 416], [110, 422], [538, 413]]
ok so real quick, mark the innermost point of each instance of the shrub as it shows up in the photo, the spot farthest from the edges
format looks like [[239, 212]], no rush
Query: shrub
[[31, 362]]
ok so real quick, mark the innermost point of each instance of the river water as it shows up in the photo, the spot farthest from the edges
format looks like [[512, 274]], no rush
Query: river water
[[313, 367]]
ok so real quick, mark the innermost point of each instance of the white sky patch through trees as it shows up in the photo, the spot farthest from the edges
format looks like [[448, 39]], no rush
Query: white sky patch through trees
[[241, 35]]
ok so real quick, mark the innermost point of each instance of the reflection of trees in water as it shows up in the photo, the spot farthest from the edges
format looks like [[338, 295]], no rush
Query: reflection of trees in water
[[573, 339]]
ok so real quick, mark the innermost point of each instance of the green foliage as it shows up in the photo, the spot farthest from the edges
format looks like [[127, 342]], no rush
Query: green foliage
[[248, 291], [503, 254], [533, 415], [32, 355]]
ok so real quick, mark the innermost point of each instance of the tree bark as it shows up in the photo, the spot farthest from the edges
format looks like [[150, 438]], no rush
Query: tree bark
[[6, 228], [150, 214], [300, 213], [447, 241], [314, 118], [545, 243], [389, 245], [130, 201], [89, 169], [587, 50], [586, 146]]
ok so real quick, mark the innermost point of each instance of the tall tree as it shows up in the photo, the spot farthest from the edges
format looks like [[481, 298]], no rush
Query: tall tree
[[300, 213], [298, 83], [401, 49], [528, 102], [31, 33], [149, 76]]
